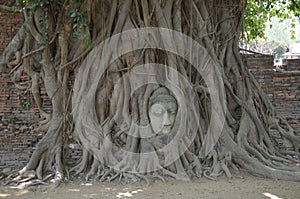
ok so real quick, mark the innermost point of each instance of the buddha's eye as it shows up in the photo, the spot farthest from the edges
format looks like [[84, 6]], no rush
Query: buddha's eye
[[158, 112]]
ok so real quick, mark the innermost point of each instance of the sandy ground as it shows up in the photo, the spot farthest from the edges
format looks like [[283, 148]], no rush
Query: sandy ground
[[241, 186]]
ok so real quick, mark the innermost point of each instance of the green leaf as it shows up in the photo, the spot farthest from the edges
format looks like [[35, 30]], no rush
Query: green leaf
[[73, 14], [258, 13]]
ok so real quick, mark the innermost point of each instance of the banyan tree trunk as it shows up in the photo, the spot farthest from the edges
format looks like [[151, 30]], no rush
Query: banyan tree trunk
[[142, 65]]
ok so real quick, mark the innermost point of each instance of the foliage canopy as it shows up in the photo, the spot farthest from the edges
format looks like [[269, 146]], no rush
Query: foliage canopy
[[258, 13]]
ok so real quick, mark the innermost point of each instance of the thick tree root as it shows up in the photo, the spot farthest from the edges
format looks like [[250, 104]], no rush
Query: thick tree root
[[23, 179], [257, 168], [105, 100]]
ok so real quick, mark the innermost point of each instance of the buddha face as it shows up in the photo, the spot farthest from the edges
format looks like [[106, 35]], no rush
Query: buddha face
[[162, 113]]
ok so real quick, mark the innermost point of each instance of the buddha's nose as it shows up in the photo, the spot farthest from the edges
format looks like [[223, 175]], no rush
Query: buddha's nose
[[167, 120]]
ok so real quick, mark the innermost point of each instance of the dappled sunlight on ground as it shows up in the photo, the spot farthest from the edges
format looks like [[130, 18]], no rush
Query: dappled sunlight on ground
[[128, 193], [4, 195], [74, 190], [241, 186], [271, 196], [17, 192]]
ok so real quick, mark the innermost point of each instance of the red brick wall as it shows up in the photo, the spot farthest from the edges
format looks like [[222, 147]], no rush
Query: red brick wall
[[283, 89], [18, 116], [17, 137], [293, 65], [18, 113], [10, 23]]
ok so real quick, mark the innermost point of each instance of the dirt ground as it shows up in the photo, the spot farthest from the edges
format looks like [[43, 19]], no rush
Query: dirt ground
[[241, 186]]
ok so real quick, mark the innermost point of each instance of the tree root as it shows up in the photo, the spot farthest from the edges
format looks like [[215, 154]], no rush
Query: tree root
[[255, 167], [23, 179]]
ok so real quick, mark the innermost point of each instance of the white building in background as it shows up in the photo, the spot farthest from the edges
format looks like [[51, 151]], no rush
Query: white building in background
[[294, 52]]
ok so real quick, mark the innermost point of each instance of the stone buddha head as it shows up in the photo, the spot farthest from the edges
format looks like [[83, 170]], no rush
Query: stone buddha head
[[162, 110]]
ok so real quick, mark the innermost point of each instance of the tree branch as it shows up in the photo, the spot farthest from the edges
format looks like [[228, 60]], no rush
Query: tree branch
[[10, 9], [83, 54], [24, 56]]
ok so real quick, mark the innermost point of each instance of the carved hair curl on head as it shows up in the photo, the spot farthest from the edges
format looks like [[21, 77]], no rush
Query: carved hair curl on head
[[161, 94]]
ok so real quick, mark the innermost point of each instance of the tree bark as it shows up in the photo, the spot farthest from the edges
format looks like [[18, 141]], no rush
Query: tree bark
[[105, 101]]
